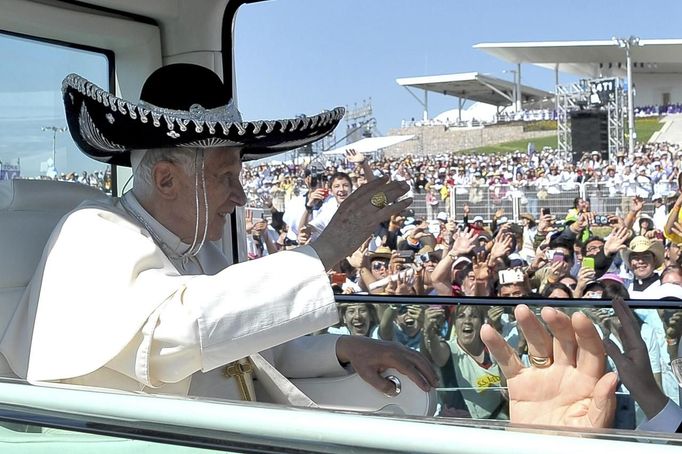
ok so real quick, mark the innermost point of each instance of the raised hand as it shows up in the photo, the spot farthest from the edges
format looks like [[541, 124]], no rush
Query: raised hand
[[546, 224], [354, 156], [501, 247], [585, 275], [464, 243], [572, 390], [303, 235], [634, 367], [481, 268], [636, 204], [359, 256], [317, 195], [248, 218], [616, 241]]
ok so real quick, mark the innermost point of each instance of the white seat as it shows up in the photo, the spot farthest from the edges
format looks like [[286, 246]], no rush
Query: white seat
[[29, 211]]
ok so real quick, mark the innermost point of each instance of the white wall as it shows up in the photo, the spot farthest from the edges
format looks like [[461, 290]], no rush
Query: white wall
[[650, 88]]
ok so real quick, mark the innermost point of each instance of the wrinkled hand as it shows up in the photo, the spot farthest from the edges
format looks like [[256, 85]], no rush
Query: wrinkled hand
[[356, 219], [616, 241], [634, 367], [573, 391], [371, 357]]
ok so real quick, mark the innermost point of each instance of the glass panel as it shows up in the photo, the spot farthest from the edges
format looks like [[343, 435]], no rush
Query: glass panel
[[34, 142], [30, 439], [519, 218]]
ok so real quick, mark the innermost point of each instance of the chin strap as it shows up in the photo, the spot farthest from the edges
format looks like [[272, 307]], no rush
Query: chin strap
[[199, 174]]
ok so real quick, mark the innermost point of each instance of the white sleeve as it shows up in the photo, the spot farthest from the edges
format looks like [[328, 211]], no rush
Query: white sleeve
[[667, 420], [242, 310]]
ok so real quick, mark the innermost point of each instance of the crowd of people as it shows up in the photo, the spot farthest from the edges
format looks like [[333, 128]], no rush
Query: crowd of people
[[582, 253], [536, 177]]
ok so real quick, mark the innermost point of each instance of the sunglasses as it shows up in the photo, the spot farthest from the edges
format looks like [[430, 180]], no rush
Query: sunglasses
[[379, 265]]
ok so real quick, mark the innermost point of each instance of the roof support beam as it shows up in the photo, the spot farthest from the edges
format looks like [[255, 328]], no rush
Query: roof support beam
[[498, 91], [424, 103]]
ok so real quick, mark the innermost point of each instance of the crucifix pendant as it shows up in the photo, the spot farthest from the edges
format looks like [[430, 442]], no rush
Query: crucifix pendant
[[237, 371]]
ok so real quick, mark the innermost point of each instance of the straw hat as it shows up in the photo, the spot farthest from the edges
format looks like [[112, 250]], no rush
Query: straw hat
[[382, 252], [643, 244]]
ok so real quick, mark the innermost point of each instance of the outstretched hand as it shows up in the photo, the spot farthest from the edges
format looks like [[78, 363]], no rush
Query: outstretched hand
[[573, 390], [634, 367]]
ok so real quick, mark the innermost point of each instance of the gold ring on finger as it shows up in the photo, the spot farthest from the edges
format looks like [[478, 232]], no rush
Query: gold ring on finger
[[379, 200], [541, 362]]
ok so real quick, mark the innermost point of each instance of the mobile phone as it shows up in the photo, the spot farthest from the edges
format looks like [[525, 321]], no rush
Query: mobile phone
[[513, 276], [588, 262], [338, 278], [545, 211], [408, 255], [558, 257]]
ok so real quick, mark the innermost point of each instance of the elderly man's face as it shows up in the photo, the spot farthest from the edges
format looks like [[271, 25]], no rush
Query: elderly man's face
[[224, 192], [642, 264]]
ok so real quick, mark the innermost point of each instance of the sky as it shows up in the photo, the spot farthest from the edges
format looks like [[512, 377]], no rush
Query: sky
[[304, 56]]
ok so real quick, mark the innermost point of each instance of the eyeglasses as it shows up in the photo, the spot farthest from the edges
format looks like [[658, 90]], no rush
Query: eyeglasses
[[379, 265]]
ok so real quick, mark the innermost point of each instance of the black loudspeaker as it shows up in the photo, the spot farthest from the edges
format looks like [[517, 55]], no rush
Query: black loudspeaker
[[589, 132]]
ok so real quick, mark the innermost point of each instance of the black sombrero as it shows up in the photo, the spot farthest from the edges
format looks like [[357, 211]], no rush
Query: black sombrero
[[181, 105]]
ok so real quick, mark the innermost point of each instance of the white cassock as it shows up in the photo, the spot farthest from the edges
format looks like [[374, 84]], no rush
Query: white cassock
[[108, 307]]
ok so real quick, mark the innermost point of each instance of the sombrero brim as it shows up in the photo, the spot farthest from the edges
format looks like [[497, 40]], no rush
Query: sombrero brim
[[108, 128]]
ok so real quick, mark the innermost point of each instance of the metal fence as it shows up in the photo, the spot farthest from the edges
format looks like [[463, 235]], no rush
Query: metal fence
[[484, 201]]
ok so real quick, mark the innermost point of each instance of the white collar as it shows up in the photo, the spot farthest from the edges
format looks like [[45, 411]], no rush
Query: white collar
[[169, 242]]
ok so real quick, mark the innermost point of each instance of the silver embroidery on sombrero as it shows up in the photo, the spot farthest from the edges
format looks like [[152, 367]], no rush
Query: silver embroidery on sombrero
[[241, 128], [269, 126], [210, 142], [91, 134], [228, 117]]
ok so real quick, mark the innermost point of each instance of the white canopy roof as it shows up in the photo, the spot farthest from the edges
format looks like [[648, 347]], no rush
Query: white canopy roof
[[370, 144], [592, 58], [474, 86]]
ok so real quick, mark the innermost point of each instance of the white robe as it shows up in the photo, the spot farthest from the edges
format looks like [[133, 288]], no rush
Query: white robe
[[108, 308]]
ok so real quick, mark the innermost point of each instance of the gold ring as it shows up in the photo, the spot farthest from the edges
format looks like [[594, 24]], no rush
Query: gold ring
[[379, 200], [541, 362]]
